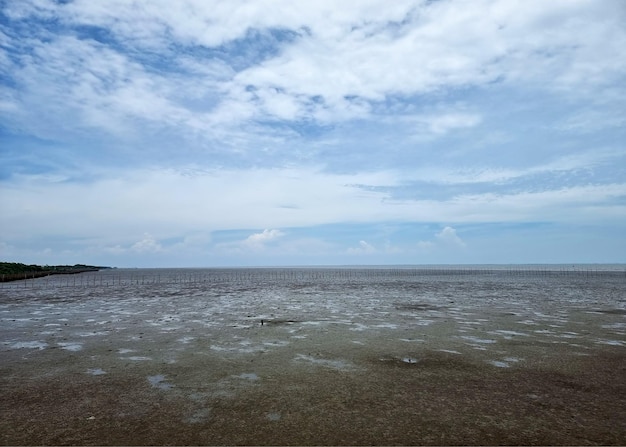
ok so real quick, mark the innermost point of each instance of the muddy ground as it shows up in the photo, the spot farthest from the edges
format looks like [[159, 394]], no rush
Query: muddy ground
[[77, 370]]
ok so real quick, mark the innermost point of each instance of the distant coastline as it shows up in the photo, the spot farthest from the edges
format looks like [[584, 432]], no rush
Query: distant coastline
[[14, 271]]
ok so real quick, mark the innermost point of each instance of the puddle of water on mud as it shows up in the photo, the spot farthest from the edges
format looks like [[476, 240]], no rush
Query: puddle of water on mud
[[198, 416], [567, 335], [618, 325], [248, 376], [611, 342], [512, 359], [509, 334], [276, 343], [528, 322], [92, 334], [241, 350], [499, 364], [477, 347], [74, 347], [158, 381], [386, 326], [449, 351], [478, 340], [333, 364], [423, 322]]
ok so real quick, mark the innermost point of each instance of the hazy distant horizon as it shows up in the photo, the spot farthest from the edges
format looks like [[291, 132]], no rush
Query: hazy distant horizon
[[529, 266]]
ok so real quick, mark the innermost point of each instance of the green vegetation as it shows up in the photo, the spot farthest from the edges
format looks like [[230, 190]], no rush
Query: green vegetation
[[11, 271]]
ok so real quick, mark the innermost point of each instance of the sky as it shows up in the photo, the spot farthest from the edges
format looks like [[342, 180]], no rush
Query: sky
[[191, 133]]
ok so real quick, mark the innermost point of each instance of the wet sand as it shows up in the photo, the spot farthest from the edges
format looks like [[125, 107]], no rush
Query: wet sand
[[425, 367]]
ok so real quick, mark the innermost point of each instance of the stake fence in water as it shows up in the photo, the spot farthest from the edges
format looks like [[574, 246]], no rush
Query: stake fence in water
[[108, 278]]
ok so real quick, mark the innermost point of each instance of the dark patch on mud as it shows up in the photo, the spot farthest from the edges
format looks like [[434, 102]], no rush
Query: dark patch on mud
[[611, 311], [279, 321], [418, 307], [427, 362]]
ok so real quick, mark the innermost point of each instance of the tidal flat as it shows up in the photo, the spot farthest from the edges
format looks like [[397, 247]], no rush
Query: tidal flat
[[312, 357]]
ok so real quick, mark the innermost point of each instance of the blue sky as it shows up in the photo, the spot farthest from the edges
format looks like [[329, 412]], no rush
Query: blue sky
[[211, 133]]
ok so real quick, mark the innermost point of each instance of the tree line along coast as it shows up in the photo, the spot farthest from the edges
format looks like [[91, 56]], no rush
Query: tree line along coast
[[13, 271]]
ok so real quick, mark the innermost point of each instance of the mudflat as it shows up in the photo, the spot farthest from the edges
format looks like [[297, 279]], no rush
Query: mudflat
[[405, 361]]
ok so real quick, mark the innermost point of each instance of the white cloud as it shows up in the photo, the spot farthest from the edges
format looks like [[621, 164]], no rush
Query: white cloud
[[443, 46], [484, 173], [169, 204], [448, 237], [258, 240], [147, 245], [342, 59], [587, 121], [253, 244], [443, 123]]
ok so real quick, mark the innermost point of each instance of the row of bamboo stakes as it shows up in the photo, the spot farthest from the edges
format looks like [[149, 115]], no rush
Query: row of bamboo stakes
[[262, 275]]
